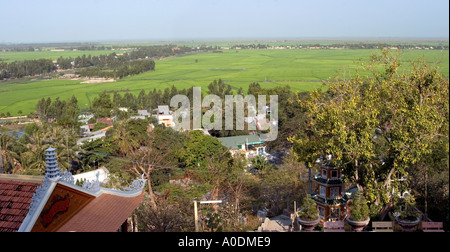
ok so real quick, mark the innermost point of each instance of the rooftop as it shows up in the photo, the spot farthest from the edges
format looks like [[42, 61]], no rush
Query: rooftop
[[103, 214], [163, 109], [233, 143], [15, 199]]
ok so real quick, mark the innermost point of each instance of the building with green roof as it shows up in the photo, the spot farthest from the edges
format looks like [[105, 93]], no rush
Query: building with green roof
[[250, 145]]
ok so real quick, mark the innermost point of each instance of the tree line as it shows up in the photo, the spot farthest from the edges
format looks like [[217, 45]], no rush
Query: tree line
[[64, 113], [105, 66], [19, 69], [118, 71]]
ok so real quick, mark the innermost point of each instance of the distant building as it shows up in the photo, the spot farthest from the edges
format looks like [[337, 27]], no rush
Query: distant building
[[108, 121], [164, 110], [138, 117], [164, 116], [144, 113], [92, 136]]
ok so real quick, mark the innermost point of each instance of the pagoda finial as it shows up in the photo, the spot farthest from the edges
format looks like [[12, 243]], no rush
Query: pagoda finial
[[53, 172]]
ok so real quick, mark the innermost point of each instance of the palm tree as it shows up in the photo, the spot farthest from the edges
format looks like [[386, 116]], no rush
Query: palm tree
[[34, 158], [65, 143], [8, 157], [259, 163]]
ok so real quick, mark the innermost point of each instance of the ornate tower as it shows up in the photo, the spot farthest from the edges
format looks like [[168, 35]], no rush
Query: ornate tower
[[53, 172], [330, 199]]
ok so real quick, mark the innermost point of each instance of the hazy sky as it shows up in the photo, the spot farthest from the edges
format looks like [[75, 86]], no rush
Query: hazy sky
[[26, 21]]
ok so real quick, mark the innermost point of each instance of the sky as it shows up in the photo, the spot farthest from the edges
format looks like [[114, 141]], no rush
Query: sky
[[32, 21]]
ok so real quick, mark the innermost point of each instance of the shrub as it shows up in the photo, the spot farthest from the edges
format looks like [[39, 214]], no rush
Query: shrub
[[407, 208], [309, 211], [359, 210]]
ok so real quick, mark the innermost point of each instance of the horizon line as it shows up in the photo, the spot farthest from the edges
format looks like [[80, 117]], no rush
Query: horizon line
[[241, 39]]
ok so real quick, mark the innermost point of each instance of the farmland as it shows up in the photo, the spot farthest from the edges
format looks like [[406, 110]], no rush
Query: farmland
[[302, 70], [52, 55]]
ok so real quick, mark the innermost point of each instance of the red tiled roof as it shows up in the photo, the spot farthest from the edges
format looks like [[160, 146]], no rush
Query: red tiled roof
[[104, 120], [103, 214], [15, 199]]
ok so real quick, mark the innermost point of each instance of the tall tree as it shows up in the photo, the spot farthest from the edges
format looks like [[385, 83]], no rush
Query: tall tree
[[158, 152], [102, 105], [378, 127]]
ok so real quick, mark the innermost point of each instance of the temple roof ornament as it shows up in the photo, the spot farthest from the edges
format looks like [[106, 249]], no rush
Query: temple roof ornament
[[53, 172], [137, 185], [54, 175]]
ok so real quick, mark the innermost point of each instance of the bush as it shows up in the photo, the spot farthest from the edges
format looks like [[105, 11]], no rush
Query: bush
[[407, 209], [309, 211], [359, 210]]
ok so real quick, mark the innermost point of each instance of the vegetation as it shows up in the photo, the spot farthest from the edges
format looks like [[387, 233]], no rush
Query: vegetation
[[381, 128], [302, 70], [359, 211], [26, 68], [64, 112], [309, 210], [407, 208], [386, 127]]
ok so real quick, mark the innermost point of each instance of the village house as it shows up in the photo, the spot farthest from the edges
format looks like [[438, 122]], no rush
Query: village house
[[164, 116], [248, 145], [92, 136], [144, 113]]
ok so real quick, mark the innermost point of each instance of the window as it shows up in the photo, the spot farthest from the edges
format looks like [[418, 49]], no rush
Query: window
[[335, 213], [324, 173], [334, 192], [321, 212], [323, 191], [334, 174]]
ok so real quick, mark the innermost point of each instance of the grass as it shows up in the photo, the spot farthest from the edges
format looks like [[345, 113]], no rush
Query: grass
[[302, 70], [21, 56]]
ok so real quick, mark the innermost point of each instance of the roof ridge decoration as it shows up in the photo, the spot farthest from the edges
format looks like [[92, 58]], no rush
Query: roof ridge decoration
[[136, 185], [54, 176], [92, 186], [39, 195], [67, 177]]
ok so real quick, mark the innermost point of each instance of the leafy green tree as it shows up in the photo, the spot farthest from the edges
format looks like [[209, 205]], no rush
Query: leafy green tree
[[220, 88], [128, 135], [308, 210], [198, 147], [102, 105], [8, 157], [259, 163], [33, 159], [377, 128]]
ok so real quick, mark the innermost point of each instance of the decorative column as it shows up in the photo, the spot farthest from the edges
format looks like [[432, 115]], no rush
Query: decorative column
[[53, 172]]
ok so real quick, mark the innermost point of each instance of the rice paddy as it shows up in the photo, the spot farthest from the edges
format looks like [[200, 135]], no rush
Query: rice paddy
[[302, 70]]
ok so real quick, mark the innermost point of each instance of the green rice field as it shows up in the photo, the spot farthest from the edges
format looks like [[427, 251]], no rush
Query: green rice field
[[302, 70], [53, 55]]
